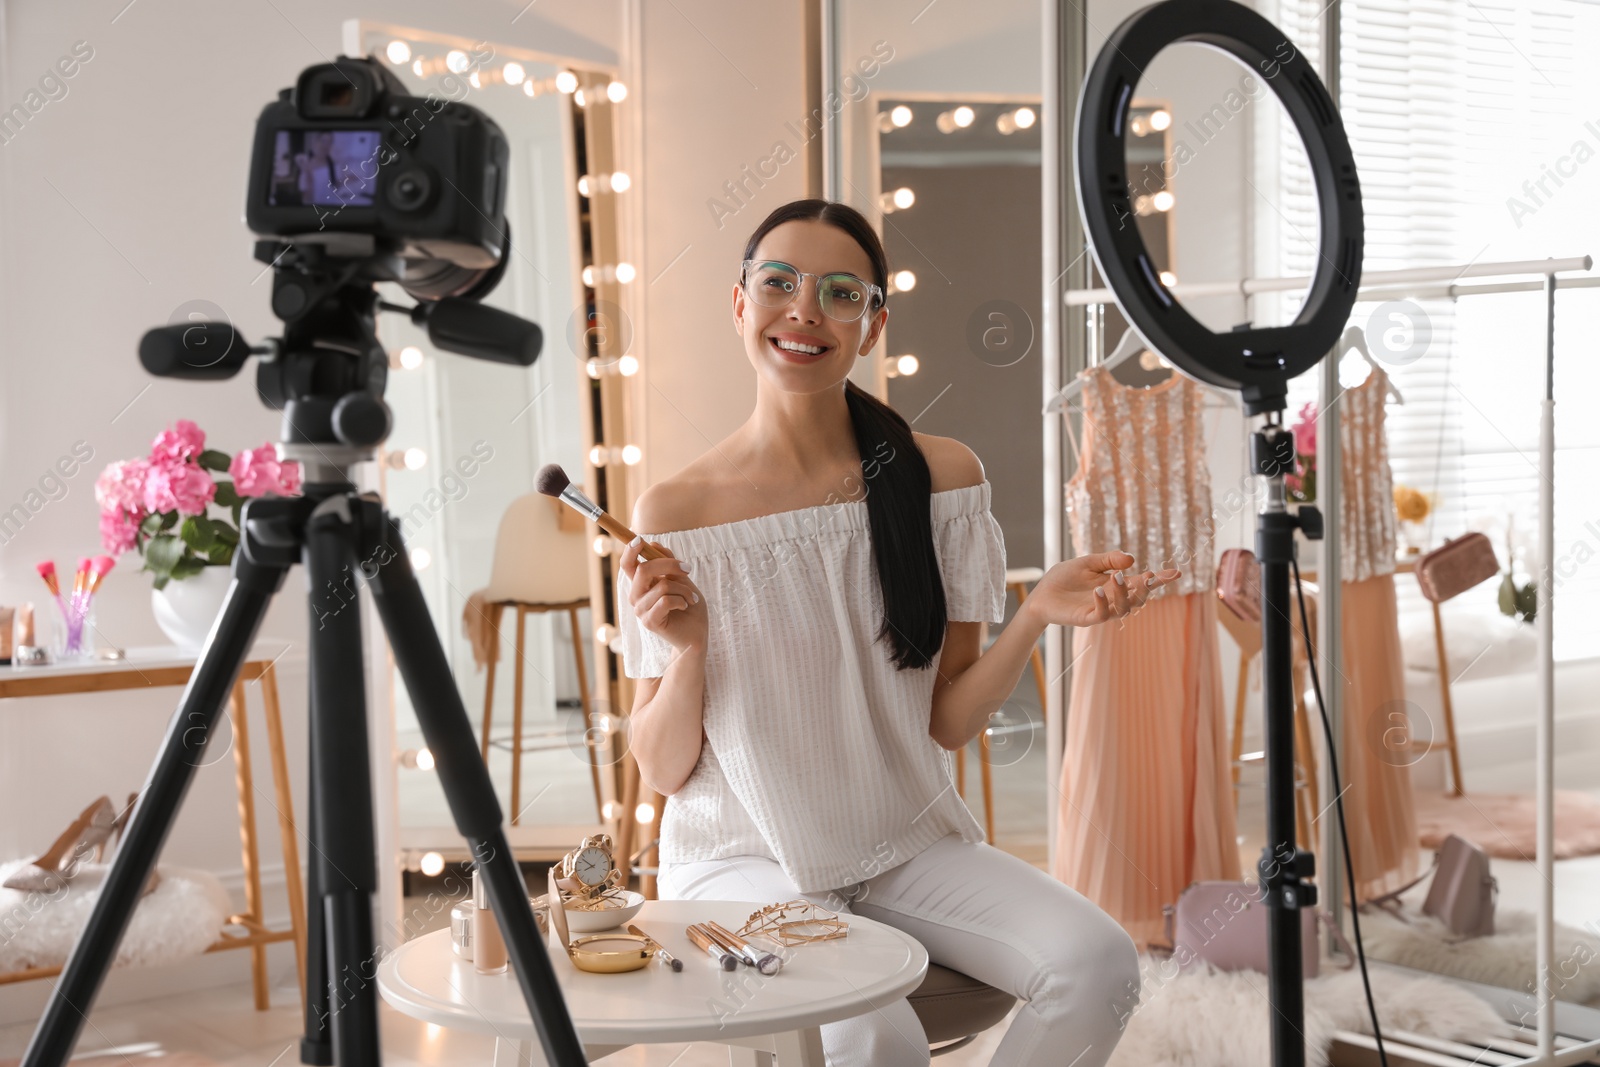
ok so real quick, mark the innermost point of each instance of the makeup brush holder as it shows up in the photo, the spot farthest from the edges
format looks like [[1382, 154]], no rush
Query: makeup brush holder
[[72, 630]]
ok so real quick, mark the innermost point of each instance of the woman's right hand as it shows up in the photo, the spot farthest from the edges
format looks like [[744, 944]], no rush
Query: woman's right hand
[[664, 600]]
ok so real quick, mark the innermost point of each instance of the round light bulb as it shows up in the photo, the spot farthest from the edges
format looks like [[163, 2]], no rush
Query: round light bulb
[[597, 456], [420, 558], [604, 633], [424, 759], [1162, 201], [620, 182], [514, 74], [592, 365], [432, 863], [904, 197], [584, 185], [1168, 279], [906, 364], [602, 545], [410, 357], [473, 78], [456, 61], [415, 459], [398, 52], [631, 454], [616, 92], [588, 276], [904, 280], [418, 69], [645, 814], [579, 99], [625, 273], [1024, 117], [566, 81], [900, 116], [963, 116], [1160, 120], [628, 366], [527, 87], [608, 810]]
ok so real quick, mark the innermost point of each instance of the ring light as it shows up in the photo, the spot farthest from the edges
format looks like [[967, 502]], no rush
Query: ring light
[[1257, 362]]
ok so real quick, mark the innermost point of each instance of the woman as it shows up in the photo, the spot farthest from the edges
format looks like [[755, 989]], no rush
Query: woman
[[800, 694]]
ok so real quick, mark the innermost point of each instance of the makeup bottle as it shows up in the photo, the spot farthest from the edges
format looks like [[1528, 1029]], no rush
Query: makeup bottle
[[488, 947]]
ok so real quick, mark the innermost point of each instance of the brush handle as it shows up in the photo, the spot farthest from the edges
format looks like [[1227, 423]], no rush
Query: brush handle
[[623, 534]]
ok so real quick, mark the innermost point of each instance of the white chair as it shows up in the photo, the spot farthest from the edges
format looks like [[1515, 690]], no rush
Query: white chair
[[538, 567]]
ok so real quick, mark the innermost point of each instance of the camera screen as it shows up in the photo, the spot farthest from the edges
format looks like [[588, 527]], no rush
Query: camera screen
[[335, 167]]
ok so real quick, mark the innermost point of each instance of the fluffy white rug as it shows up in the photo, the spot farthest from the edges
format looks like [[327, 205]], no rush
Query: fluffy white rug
[[1507, 958], [1208, 1018], [180, 917]]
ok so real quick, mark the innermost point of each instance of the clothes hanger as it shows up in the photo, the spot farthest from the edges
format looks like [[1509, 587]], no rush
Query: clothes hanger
[[1356, 338], [1130, 346]]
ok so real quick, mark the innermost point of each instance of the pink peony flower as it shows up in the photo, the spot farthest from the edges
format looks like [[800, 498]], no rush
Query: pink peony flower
[[183, 441], [258, 472], [181, 486], [118, 531], [1305, 431]]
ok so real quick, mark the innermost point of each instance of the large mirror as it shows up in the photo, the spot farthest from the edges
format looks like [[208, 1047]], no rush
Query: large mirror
[[510, 574]]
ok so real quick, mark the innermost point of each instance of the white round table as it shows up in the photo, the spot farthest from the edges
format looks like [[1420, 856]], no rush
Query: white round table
[[758, 1016]]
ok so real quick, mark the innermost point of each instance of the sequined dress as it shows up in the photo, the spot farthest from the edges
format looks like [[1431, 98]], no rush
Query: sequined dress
[[1380, 812], [1146, 803]]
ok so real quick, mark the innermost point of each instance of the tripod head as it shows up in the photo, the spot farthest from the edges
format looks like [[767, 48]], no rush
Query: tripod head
[[353, 183]]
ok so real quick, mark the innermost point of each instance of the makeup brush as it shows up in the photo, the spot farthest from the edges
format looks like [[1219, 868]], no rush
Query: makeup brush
[[80, 580], [552, 481], [47, 571], [99, 567]]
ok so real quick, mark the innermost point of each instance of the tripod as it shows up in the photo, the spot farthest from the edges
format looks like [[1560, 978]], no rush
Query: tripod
[[333, 417]]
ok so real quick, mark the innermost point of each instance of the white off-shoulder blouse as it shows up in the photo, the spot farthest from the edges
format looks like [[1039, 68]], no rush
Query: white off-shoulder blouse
[[818, 752]]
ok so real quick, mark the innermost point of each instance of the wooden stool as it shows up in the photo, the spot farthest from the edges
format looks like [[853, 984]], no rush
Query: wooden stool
[[1247, 635], [538, 568], [1018, 580]]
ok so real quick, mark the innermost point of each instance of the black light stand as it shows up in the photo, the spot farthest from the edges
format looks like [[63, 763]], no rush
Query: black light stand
[[1257, 362], [327, 375]]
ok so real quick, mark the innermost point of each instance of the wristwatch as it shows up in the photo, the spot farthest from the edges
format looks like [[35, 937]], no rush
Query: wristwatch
[[588, 871]]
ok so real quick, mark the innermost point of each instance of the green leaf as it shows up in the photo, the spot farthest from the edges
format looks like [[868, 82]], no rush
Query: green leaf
[[197, 533], [160, 582], [169, 519], [188, 567], [162, 554], [227, 496], [221, 552], [212, 460], [238, 513], [224, 533], [150, 525]]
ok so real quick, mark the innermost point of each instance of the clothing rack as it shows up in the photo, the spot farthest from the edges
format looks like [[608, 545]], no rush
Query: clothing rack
[[1424, 282]]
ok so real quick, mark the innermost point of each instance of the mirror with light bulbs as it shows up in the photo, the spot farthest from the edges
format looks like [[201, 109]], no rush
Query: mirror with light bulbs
[[469, 437]]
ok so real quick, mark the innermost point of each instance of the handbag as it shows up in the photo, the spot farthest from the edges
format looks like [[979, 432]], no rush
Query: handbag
[[1463, 893], [1239, 583], [1225, 924], [1456, 566]]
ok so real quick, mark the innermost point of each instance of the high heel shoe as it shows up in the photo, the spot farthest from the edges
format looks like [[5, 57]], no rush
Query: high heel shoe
[[53, 869], [117, 829]]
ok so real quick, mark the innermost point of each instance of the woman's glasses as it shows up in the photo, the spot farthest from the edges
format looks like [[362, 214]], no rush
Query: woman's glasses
[[843, 297]]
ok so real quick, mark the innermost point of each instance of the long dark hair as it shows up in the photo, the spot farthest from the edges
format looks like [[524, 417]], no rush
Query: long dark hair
[[901, 489]]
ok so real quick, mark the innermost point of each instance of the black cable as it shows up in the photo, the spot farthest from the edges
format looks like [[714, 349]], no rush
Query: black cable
[[1338, 800]]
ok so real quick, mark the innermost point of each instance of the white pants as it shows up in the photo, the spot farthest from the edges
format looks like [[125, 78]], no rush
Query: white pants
[[979, 911]]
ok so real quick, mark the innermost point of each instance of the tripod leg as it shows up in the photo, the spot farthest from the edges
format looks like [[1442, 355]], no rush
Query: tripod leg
[[316, 1046], [346, 856], [191, 726], [473, 804]]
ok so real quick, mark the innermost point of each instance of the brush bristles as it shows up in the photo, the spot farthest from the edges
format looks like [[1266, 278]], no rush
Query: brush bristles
[[551, 480]]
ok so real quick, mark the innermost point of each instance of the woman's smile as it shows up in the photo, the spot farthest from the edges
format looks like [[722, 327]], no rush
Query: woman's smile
[[799, 347]]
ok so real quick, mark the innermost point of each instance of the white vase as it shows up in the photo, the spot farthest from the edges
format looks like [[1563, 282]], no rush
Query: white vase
[[186, 608]]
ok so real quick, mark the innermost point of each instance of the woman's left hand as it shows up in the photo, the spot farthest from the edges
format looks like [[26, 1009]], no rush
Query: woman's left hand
[[1087, 590]]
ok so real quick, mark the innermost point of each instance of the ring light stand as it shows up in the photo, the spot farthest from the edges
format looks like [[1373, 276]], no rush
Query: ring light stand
[[1256, 361]]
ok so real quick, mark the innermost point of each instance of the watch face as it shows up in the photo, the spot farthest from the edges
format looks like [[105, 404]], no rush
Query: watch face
[[591, 866]]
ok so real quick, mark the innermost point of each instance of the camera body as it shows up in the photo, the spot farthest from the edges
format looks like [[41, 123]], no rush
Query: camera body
[[350, 161]]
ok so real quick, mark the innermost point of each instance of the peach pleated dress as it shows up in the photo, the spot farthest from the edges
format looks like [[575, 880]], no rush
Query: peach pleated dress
[[1380, 813], [1146, 795]]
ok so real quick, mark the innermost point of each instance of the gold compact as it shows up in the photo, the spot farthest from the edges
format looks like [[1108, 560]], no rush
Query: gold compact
[[603, 953]]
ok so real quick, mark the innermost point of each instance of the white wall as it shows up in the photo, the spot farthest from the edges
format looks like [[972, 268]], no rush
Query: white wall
[[118, 203]]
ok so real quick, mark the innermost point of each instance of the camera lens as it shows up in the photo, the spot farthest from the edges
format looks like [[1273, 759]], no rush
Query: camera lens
[[411, 189]]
